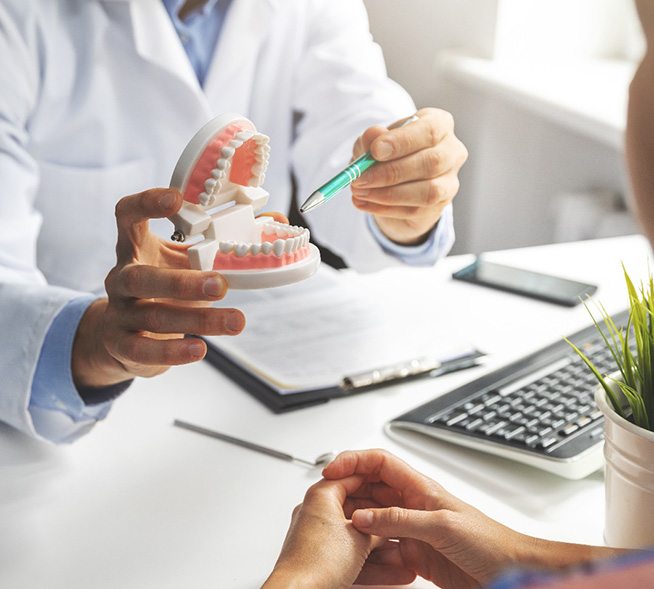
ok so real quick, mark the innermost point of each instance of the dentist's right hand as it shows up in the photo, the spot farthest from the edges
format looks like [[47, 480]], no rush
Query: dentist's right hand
[[153, 300]]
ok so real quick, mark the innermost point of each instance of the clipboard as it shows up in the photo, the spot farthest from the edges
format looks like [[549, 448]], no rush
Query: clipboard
[[350, 385], [338, 334]]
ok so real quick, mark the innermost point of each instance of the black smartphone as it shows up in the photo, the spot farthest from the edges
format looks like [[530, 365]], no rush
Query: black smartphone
[[524, 282]]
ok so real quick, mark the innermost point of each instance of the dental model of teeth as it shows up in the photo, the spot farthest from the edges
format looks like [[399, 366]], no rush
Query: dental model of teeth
[[219, 174]]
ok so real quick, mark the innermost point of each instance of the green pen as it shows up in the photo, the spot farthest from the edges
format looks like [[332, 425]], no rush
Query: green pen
[[342, 180]]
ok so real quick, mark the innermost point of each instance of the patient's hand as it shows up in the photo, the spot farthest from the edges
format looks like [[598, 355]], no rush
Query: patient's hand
[[442, 538], [323, 550]]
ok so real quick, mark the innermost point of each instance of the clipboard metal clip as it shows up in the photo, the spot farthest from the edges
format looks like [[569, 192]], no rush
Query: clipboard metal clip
[[417, 367]]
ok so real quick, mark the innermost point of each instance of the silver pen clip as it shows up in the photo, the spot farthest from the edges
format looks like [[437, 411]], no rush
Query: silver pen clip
[[422, 366]]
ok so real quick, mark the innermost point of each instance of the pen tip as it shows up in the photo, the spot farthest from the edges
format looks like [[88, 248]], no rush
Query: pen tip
[[312, 202]]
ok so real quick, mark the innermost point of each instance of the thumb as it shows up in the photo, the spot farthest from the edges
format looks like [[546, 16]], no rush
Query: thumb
[[395, 522]]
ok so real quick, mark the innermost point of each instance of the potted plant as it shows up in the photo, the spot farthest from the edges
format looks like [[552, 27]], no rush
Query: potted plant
[[626, 399]]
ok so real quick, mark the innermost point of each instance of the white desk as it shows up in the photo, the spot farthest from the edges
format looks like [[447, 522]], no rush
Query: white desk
[[138, 503]]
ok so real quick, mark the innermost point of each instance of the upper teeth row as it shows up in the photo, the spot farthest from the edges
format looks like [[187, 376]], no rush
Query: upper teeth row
[[277, 247], [262, 150], [283, 230]]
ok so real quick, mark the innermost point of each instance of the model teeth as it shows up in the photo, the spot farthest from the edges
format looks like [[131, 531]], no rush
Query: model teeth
[[244, 135], [226, 246], [290, 240], [227, 152], [235, 143], [278, 247], [210, 185], [222, 164], [206, 199]]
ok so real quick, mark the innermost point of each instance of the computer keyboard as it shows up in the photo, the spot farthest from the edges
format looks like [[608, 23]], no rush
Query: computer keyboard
[[538, 410]]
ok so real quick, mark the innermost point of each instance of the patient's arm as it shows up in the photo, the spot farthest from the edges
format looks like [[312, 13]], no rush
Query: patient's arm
[[640, 126]]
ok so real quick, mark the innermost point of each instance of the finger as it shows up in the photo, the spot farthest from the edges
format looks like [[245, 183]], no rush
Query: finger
[[397, 522], [388, 553], [396, 212], [148, 282], [351, 505], [334, 489], [166, 318], [279, 217], [422, 165], [432, 126], [390, 469], [364, 141], [139, 350], [133, 213], [421, 193], [379, 574], [379, 493]]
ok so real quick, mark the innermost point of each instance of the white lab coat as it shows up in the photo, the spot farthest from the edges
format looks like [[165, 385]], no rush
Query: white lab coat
[[97, 100]]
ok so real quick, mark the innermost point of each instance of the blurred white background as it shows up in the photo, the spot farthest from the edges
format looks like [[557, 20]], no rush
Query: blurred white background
[[538, 89]]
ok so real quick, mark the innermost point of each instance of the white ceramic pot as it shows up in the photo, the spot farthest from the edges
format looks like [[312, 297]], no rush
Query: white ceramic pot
[[629, 480]]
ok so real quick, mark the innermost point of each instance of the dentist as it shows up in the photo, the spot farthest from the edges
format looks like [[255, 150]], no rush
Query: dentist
[[97, 99]]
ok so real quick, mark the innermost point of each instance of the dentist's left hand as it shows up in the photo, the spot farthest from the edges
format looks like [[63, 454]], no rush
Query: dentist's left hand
[[153, 300], [417, 176]]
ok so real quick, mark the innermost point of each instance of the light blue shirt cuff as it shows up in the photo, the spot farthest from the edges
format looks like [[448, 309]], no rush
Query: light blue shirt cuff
[[53, 389], [437, 245]]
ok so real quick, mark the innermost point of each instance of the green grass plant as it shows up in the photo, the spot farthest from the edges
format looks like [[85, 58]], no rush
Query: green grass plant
[[636, 382]]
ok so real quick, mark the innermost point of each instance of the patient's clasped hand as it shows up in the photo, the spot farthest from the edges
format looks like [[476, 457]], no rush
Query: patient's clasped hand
[[375, 520]]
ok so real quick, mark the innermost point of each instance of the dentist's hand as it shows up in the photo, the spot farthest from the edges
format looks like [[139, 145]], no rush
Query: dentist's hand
[[153, 299], [417, 176]]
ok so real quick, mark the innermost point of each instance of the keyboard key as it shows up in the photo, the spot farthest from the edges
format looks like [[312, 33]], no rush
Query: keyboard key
[[532, 440], [454, 419], [511, 433], [474, 425], [582, 421], [476, 408], [547, 442], [570, 429], [490, 399]]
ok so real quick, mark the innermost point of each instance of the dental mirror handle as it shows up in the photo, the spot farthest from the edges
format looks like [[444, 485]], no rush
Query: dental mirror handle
[[239, 442]]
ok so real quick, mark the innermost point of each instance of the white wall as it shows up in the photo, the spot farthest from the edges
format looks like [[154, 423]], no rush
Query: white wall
[[412, 32], [518, 162]]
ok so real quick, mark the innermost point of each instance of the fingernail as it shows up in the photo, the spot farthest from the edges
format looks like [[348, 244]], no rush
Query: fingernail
[[167, 200], [196, 349], [383, 150], [234, 322], [362, 518], [359, 193], [213, 287]]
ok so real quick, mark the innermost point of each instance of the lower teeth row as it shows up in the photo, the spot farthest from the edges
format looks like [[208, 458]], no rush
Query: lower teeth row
[[276, 248]]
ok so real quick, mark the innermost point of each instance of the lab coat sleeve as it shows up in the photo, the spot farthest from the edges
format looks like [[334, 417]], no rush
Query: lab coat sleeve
[[342, 62], [28, 304]]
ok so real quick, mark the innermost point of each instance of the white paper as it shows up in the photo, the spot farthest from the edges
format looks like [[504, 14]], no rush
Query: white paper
[[337, 325]]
